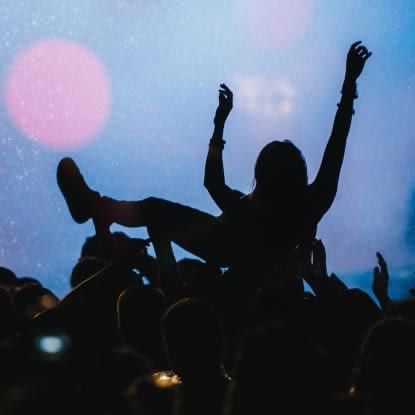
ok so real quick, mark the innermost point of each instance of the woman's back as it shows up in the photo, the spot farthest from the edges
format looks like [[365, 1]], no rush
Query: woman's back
[[264, 233]]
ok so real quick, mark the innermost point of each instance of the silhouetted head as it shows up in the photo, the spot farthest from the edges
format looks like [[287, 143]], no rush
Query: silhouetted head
[[92, 246], [352, 313], [280, 169], [199, 278], [140, 310], [278, 369], [85, 268], [340, 324], [7, 278], [31, 299], [403, 309], [193, 338], [272, 303], [10, 322], [385, 377], [23, 281]]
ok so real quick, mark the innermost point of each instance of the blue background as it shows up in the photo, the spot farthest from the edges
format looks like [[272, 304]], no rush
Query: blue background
[[165, 60]]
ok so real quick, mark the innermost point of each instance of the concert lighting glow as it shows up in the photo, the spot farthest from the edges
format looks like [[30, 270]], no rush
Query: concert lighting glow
[[57, 93], [128, 88]]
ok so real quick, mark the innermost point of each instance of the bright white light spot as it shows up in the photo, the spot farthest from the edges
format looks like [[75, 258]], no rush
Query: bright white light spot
[[276, 23], [286, 107], [266, 99], [51, 344]]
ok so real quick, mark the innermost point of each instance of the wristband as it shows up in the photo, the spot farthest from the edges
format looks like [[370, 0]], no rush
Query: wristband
[[339, 104], [215, 142]]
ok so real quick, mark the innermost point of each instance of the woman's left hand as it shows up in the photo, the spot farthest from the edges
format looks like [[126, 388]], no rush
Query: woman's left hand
[[225, 104]]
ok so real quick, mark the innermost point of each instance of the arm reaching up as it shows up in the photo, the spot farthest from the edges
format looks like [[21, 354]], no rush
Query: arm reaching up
[[317, 276], [214, 182], [324, 187], [380, 283], [169, 275]]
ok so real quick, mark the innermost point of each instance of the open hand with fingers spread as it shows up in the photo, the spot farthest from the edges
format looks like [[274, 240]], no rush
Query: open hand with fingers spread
[[225, 105], [356, 59], [381, 281]]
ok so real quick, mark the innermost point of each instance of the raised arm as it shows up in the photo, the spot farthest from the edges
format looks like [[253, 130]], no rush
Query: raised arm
[[169, 274], [380, 284], [214, 181], [324, 187]]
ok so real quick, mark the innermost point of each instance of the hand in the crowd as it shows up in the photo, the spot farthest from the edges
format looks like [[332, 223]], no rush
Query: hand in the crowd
[[317, 276], [356, 59], [130, 252], [225, 104], [381, 281]]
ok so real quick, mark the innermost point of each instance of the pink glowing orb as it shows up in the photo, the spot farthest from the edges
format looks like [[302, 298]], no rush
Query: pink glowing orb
[[57, 93], [276, 23]]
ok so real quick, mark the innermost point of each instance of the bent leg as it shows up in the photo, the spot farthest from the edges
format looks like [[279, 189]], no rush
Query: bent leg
[[195, 231]]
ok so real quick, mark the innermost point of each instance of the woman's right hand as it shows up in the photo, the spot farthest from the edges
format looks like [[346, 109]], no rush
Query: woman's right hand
[[225, 105]]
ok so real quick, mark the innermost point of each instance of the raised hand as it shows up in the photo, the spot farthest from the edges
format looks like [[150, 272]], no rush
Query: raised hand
[[130, 252], [381, 281], [225, 104], [317, 276], [356, 59], [319, 259]]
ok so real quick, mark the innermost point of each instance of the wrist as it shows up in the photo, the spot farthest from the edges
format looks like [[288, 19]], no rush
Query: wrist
[[219, 123], [384, 300], [217, 142], [349, 88], [348, 77], [218, 131]]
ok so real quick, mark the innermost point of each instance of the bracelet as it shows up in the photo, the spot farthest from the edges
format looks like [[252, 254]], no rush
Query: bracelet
[[339, 105], [215, 142]]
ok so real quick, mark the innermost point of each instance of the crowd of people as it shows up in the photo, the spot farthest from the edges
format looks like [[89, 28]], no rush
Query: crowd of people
[[233, 333]]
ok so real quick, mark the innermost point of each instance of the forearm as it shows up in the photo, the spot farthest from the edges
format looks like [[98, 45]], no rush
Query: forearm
[[169, 276], [214, 172], [336, 146], [325, 185], [217, 135], [344, 114], [324, 188], [384, 300]]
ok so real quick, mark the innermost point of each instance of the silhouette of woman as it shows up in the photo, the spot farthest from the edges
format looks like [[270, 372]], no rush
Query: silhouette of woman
[[260, 228]]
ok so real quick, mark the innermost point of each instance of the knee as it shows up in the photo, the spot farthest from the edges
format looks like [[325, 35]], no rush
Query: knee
[[151, 203], [152, 210]]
